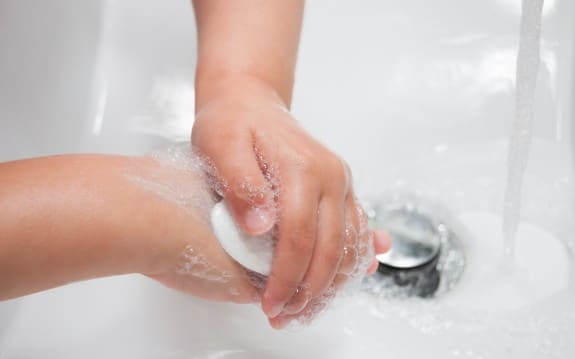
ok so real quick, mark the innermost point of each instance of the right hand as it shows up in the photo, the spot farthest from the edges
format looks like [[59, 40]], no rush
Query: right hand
[[265, 161]]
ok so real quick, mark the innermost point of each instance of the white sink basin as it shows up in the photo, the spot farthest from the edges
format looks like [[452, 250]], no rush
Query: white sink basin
[[417, 96]]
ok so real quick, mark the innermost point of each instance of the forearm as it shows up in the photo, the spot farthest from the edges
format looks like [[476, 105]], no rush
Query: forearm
[[246, 39], [69, 218]]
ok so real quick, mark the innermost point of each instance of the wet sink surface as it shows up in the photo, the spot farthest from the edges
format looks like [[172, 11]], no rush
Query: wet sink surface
[[424, 94]]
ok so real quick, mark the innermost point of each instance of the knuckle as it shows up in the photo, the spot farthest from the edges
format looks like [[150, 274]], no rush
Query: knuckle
[[304, 158], [235, 184], [337, 167], [338, 175], [308, 164], [248, 187]]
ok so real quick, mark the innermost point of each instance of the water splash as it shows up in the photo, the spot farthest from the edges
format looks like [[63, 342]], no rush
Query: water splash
[[520, 142]]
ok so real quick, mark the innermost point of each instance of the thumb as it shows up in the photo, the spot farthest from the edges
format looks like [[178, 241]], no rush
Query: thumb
[[247, 193]]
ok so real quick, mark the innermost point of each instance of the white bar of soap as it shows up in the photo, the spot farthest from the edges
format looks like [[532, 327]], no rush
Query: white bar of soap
[[253, 252]]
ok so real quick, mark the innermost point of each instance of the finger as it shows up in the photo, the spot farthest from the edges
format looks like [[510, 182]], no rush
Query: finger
[[297, 229], [365, 246], [340, 280], [381, 243], [335, 225], [308, 314], [373, 267], [280, 322], [327, 254], [245, 188], [300, 299], [350, 250]]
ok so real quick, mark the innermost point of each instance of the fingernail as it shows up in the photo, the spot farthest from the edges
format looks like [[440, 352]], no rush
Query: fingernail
[[280, 322], [276, 310], [257, 220]]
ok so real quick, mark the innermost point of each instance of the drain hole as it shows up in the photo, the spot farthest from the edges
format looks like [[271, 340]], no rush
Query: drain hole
[[426, 258]]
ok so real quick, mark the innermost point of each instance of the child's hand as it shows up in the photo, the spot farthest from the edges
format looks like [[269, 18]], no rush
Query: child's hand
[[74, 217], [265, 159], [183, 252]]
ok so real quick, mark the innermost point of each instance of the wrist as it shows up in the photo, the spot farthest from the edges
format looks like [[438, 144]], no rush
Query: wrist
[[168, 211], [214, 88]]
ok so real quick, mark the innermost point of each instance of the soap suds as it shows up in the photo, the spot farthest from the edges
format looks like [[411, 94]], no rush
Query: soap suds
[[188, 179], [197, 265], [182, 177]]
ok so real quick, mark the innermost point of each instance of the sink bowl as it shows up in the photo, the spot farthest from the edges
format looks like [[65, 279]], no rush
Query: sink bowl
[[417, 96]]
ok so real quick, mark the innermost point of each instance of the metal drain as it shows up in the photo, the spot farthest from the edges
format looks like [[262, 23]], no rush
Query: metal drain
[[426, 258]]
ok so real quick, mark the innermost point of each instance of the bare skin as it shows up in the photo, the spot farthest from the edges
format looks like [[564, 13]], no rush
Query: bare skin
[[246, 60], [76, 217], [85, 206]]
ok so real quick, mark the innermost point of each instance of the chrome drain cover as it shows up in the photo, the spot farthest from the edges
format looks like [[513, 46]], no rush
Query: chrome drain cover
[[426, 258], [416, 241]]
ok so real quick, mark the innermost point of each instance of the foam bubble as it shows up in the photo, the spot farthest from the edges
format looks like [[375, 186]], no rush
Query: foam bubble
[[195, 264], [182, 177], [187, 179]]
